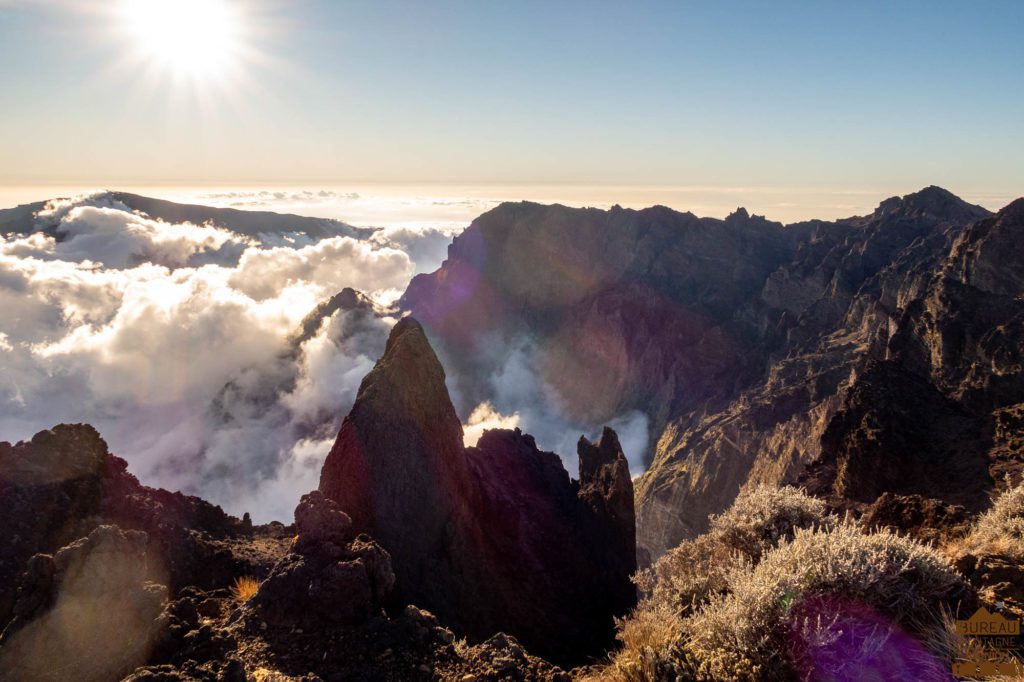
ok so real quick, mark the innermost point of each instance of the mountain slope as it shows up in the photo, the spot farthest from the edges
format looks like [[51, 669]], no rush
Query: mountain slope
[[739, 339]]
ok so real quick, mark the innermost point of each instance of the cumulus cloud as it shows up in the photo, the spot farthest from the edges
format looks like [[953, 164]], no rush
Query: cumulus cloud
[[180, 343], [331, 264], [484, 417], [99, 229], [120, 239], [427, 247], [190, 369]]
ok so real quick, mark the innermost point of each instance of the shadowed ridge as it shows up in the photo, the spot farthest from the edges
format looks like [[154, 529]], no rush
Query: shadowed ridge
[[399, 444], [492, 538], [986, 255]]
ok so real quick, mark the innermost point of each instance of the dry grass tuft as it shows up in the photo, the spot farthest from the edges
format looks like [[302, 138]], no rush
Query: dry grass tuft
[[244, 589], [1000, 530]]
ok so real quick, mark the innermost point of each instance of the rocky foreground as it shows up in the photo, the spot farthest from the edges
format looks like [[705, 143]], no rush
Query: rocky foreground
[[104, 578]]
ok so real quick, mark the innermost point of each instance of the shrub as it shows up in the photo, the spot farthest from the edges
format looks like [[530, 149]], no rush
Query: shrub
[[652, 649], [758, 520], [244, 589], [1000, 530], [762, 518], [689, 575], [830, 604]]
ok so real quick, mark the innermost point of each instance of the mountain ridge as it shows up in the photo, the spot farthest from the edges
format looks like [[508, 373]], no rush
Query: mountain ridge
[[737, 337]]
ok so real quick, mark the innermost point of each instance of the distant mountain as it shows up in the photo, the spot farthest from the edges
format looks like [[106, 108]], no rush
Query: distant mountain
[[754, 347], [23, 219]]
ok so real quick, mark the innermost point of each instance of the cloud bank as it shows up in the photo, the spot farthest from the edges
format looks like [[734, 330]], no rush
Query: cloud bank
[[177, 342]]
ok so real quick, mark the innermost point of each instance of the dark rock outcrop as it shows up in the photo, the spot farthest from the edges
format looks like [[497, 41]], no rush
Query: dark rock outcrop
[[494, 537], [64, 483], [925, 519], [897, 433], [331, 578], [88, 613], [97, 608]]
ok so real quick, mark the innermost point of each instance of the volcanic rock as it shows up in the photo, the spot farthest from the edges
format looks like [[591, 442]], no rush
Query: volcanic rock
[[491, 538], [331, 578], [64, 483], [88, 613]]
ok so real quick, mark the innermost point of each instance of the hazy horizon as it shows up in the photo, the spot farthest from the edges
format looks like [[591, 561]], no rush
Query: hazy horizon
[[453, 207]]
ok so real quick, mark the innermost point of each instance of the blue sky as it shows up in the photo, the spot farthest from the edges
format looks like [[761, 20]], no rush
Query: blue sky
[[659, 93]]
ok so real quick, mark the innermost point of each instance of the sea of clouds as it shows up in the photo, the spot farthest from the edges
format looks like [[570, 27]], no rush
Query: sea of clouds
[[180, 343]]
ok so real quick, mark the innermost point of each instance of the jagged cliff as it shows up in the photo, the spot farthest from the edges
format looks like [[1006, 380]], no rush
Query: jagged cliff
[[491, 538], [742, 339]]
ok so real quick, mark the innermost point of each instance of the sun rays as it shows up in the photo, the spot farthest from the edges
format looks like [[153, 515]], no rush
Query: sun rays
[[198, 40]]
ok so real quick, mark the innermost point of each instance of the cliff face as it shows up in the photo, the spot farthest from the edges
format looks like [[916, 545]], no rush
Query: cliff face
[[742, 340], [491, 538], [624, 304]]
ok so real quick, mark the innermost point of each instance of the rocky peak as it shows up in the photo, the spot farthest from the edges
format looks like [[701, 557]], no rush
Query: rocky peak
[[346, 299], [491, 538], [607, 490], [403, 400], [604, 454], [930, 202], [739, 215]]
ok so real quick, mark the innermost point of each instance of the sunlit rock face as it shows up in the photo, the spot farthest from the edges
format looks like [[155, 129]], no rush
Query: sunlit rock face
[[491, 538], [740, 339]]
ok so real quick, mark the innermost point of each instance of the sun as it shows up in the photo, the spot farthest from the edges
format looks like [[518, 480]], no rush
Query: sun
[[194, 39]]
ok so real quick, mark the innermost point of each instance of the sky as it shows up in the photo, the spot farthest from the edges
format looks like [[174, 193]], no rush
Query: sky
[[791, 97]]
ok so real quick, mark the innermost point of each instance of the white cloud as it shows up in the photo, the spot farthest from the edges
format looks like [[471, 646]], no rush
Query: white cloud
[[485, 417], [331, 264], [120, 239], [517, 388], [186, 368], [176, 342], [426, 247]]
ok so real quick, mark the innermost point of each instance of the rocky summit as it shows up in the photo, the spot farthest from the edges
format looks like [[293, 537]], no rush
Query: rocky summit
[[491, 538]]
